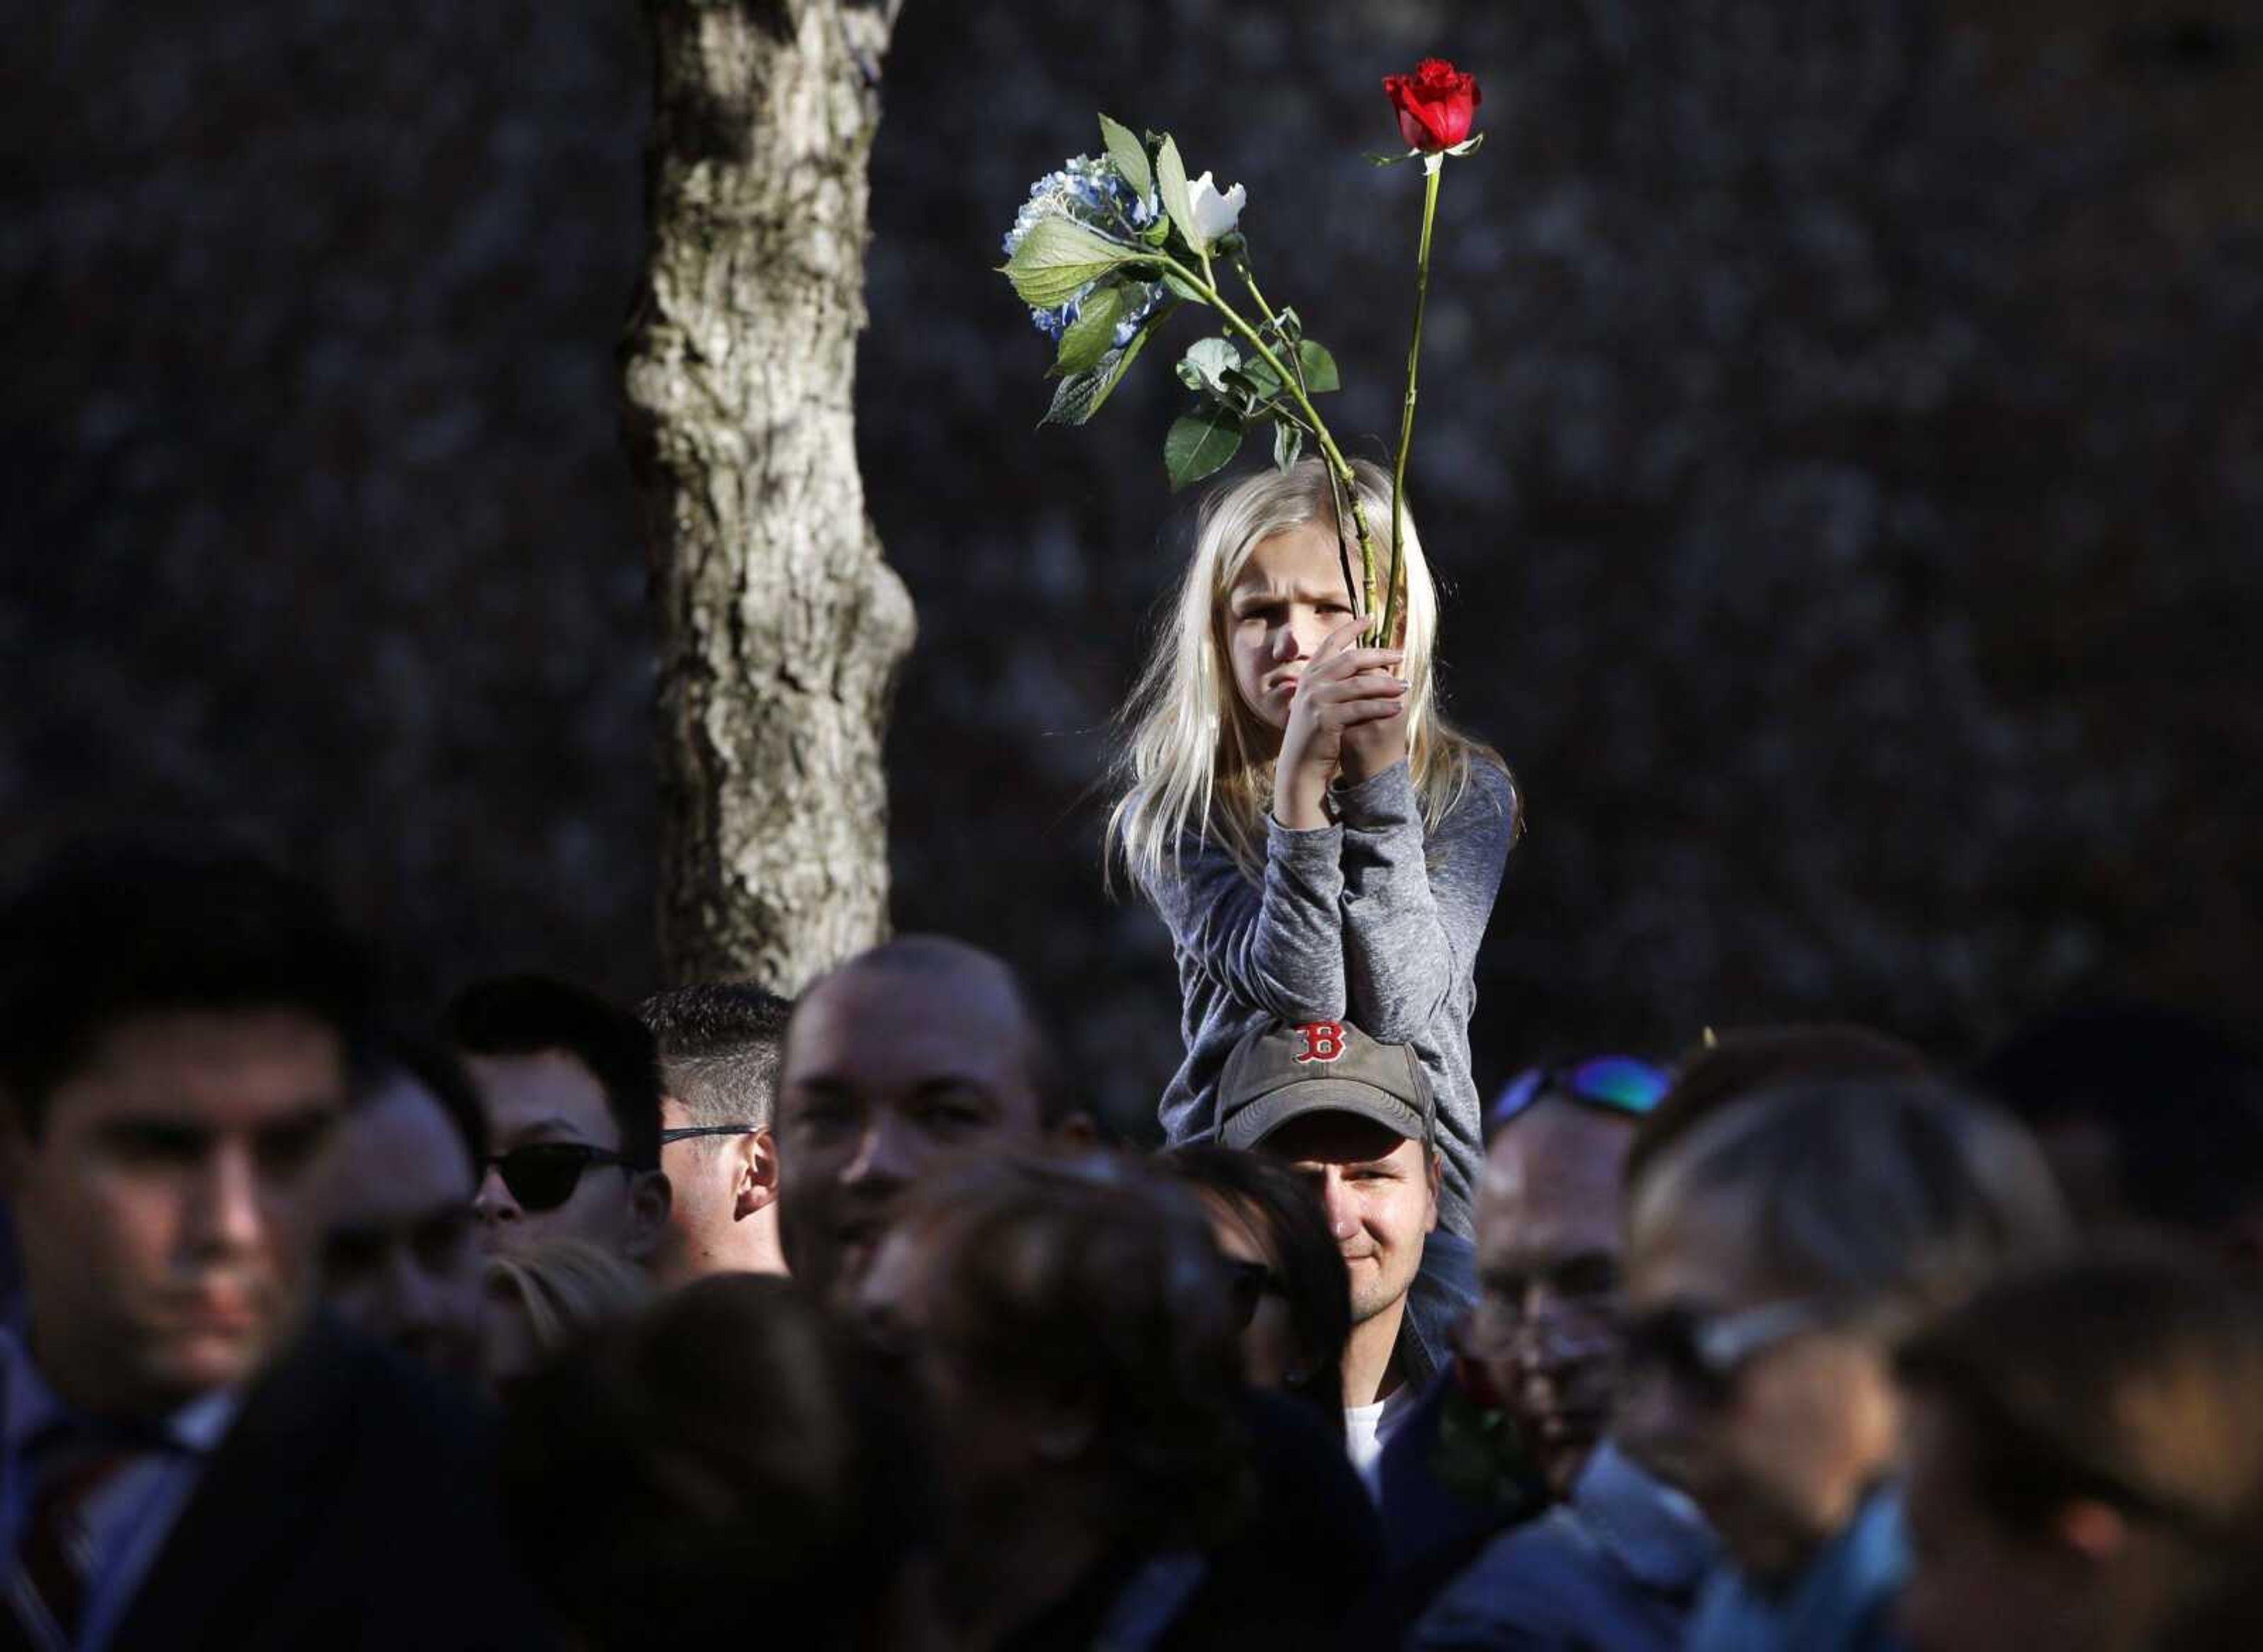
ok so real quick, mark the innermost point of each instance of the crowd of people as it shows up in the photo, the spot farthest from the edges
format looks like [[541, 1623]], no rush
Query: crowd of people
[[838, 1322]]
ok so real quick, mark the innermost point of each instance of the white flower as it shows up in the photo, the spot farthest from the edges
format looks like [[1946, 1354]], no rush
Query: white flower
[[1215, 214]]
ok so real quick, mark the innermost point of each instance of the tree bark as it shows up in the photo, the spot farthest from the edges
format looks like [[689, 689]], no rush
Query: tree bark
[[781, 628]]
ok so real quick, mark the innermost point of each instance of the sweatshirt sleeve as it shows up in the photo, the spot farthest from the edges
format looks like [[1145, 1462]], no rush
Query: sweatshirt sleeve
[[1279, 948], [1414, 912]]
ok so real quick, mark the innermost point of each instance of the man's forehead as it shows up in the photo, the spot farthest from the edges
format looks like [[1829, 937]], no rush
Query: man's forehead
[[552, 1086], [401, 1153], [1337, 1138], [222, 1067], [908, 1024]]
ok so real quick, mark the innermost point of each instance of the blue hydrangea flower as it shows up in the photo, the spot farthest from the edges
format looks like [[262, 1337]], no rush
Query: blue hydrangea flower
[[1091, 191]]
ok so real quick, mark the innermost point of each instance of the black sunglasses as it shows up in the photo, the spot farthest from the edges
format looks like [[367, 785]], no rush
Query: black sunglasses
[[543, 1175], [685, 1133]]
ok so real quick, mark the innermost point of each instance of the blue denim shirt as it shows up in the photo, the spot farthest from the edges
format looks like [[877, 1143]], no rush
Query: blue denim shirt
[[1842, 1602], [1445, 1289], [1613, 1569]]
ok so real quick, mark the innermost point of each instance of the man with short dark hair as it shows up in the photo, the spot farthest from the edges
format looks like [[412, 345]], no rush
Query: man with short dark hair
[[191, 1457], [1358, 1118], [401, 1253], [720, 1044], [907, 1053], [571, 1088]]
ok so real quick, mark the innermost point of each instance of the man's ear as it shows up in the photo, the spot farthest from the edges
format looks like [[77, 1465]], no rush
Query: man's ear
[[755, 1181], [650, 1200], [2095, 1531], [1435, 1178]]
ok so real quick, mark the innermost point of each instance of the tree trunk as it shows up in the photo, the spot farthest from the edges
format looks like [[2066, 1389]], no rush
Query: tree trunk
[[781, 630]]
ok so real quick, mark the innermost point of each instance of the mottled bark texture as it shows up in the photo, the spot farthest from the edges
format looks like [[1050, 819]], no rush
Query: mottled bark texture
[[781, 628]]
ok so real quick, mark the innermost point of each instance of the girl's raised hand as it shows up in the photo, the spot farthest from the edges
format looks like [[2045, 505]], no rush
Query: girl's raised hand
[[1349, 710]]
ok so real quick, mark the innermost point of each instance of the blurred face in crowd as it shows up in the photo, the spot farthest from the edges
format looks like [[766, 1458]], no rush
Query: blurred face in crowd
[[550, 1100], [984, 1430], [885, 1071], [1381, 1191], [1976, 1582], [1270, 1348], [169, 1205], [1778, 1446], [1288, 597], [401, 1257], [1545, 1327]]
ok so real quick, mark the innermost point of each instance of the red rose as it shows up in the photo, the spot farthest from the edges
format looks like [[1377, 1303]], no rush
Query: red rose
[[1437, 105]]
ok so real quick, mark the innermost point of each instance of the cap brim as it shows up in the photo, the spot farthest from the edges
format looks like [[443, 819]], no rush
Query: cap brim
[[1252, 1124]]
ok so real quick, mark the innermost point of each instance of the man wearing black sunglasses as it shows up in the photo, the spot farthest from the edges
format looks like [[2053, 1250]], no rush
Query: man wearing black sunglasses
[[1774, 1250], [571, 1088]]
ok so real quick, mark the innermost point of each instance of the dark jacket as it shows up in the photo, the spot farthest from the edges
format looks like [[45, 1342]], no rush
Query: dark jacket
[[353, 1505]]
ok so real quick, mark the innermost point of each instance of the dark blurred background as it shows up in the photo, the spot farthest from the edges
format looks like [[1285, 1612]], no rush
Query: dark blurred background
[[1842, 438]]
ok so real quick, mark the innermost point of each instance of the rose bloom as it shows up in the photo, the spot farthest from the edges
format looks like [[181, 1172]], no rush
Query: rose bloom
[[1437, 103]]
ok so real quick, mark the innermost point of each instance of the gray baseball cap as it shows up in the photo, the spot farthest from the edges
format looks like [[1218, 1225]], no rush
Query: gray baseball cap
[[1279, 1073]]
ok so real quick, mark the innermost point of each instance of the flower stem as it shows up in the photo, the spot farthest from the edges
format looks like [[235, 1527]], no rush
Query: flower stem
[[1335, 481], [1433, 168], [1292, 382]]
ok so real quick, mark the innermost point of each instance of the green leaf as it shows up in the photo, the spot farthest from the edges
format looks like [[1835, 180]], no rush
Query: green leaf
[[1206, 363], [1199, 444], [1129, 153], [1288, 442], [1261, 380], [1320, 368], [1171, 184], [1058, 255], [1287, 324], [1374, 159], [1182, 289], [1092, 335], [1081, 395]]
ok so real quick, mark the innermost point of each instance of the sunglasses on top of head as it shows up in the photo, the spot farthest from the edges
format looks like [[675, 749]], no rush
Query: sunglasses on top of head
[[543, 1175], [1616, 1084]]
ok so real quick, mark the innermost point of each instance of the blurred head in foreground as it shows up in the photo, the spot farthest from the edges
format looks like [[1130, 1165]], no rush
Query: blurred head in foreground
[[1067, 1328], [2086, 1456], [543, 1298], [1774, 1252], [724, 1470], [1292, 1289]]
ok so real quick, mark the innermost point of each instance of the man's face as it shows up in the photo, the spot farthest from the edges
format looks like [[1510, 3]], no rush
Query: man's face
[[884, 1072], [1781, 1458], [546, 1097], [1381, 1190], [1548, 1276], [168, 1209], [401, 1257]]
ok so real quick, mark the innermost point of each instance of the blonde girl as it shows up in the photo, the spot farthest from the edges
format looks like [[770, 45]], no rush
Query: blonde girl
[[1323, 845]]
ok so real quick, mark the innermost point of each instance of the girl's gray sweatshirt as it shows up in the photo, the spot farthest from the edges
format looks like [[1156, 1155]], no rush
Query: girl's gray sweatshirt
[[1368, 921]]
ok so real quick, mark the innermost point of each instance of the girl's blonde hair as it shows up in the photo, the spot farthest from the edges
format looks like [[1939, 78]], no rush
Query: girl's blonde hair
[[568, 1287], [1195, 763]]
